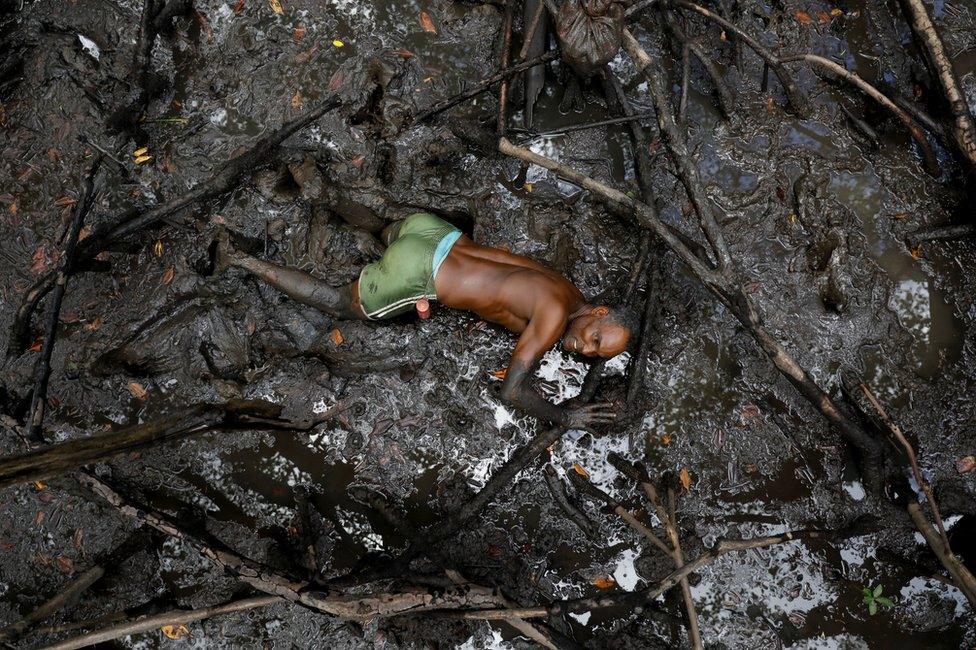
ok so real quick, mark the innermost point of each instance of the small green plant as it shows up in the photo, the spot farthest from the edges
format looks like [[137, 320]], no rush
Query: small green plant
[[873, 598]]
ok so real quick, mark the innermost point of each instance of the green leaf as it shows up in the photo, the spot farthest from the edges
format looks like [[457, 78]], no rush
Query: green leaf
[[877, 590], [867, 592], [872, 608], [885, 601], [868, 599]]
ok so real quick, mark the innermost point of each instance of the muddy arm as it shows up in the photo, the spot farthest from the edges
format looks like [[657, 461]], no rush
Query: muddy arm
[[541, 334]]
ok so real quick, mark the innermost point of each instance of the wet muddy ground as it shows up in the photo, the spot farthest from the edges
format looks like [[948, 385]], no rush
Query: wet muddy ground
[[427, 429]]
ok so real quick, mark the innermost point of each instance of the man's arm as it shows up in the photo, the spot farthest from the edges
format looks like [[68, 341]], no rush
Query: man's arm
[[542, 332]]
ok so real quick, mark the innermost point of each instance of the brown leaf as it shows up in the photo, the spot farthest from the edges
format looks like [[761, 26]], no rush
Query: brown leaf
[[823, 17], [427, 23], [405, 53], [296, 100], [501, 373], [39, 518], [606, 582], [685, 478], [40, 261], [335, 81], [666, 439], [137, 390], [65, 564], [76, 540], [299, 33], [168, 275], [579, 470], [40, 485], [749, 412], [357, 162], [204, 24], [803, 17], [336, 336], [239, 6]]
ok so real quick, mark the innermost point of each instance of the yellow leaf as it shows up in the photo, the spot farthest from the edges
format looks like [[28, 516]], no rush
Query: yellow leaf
[[427, 23], [142, 151], [835, 12], [528, 187], [685, 478], [176, 631], [336, 336], [666, 439], [40, 485], [137, 390], [900, 216], [722, 36], [501, 373], [276, 6], [158, 248], [337, 43], [605, 583], [142, 159], [579, 470]]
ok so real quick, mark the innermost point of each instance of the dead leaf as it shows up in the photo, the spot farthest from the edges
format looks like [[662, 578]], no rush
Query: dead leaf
[[606, 582], [403, 52], [39, 518], [823, 17], [427, 23], [501, 373], [40, 485], [770, 104], [749, 412], [900, 216], [803, 17], [36, 345], [158, 248], [204, 24], [65, 201], [168, 275], [666, 439], [239, 6], [336, 336], [358, 161], [276, 6], [141, 151], [65, 564], [685, 478], [175, 631], [137, 390], [39, 262], [836, 12], [76, 540], [94, 324], [296, 100], [335, 81], [579, 470], [299, 33]]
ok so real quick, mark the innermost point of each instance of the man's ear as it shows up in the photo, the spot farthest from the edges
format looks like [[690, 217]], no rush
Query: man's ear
[[600, 311]]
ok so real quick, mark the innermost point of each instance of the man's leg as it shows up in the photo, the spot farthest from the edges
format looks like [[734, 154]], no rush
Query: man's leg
[[341, 302]]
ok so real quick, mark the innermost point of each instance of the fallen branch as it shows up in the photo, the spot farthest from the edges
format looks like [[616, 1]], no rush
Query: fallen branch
[[726, 100], [69, 594], [221, 181], [482, 86], [928, 156], [506, 55], [945, 74], [558, 492], [583, 126], [960, 574], [794, 95], [940, 233], [235, 415], [152, 623], [42, 368]]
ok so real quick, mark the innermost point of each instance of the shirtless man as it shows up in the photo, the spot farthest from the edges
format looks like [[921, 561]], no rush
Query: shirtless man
[[427, 258]]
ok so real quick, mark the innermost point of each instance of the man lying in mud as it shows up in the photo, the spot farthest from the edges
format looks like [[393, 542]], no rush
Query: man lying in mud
[[427, 258]]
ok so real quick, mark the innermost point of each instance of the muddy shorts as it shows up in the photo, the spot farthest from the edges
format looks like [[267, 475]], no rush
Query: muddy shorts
[[405, 274]]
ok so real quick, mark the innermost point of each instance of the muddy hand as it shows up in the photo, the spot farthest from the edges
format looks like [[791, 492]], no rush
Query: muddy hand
[[592, 415]]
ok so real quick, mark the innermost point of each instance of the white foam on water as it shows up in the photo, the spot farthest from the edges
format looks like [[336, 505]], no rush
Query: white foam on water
[[90, 47], [493, 641], [626, 573], [854, 490]]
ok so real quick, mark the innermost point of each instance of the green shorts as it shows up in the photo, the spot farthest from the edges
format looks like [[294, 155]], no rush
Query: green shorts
[[392, 285]]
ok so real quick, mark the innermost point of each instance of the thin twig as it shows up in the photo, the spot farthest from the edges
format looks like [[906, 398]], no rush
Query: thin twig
[[42, 369], [173, 617], [506, 55]]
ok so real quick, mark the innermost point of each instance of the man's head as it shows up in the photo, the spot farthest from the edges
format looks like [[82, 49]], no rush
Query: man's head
[[600, 331]]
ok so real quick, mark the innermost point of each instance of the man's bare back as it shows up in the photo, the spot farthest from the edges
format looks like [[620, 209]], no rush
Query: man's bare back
[[511, 290]]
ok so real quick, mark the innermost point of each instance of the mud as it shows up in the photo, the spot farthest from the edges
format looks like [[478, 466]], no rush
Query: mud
[[814, 214]]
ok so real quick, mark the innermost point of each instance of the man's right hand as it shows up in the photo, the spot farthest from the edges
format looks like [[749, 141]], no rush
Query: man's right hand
[[586, 417]]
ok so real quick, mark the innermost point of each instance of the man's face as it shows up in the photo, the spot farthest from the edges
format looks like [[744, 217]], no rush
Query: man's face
[[594, 335]]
